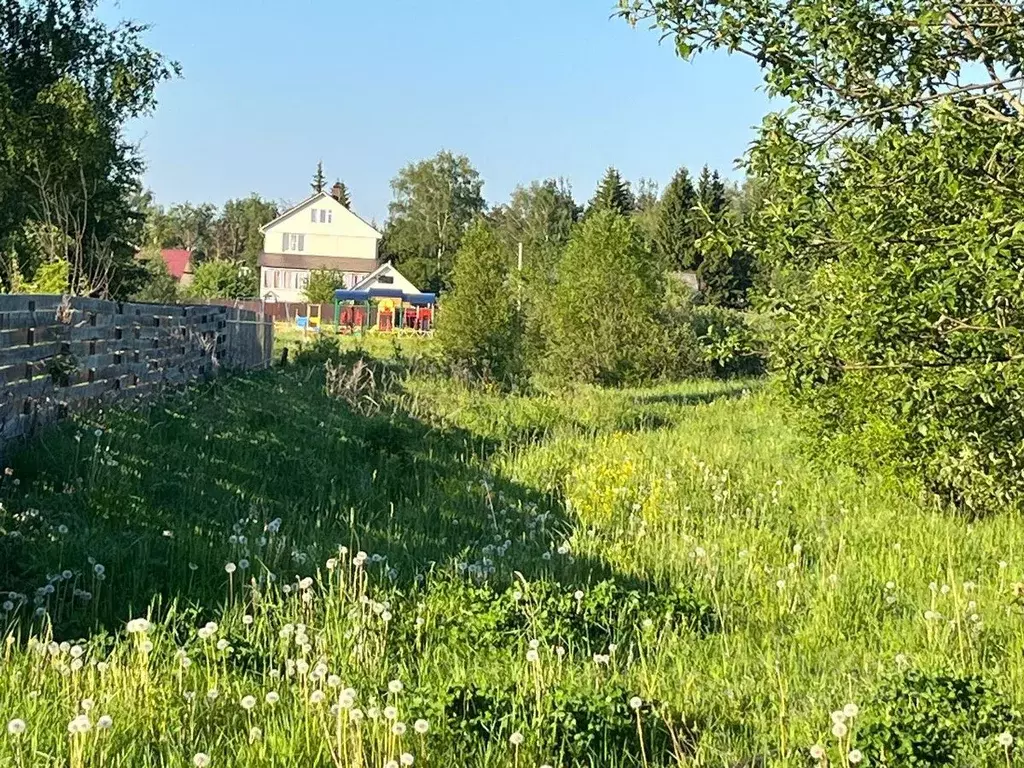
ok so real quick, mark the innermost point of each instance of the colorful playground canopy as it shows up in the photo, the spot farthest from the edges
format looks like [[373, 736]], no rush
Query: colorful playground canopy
[[418, 299]]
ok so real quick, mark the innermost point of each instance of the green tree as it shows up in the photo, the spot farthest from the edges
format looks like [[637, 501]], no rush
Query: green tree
[[68, 85], [479, 327], [540, 218], [726, 271], [236, 232], [434, 202], [224, 279], [319, 179], [889, 221], [322, 285], [711, 198], [647, 211], [340, 192], [676, 231], [613, 194], [192, 227], [159, 287], [605, 326]]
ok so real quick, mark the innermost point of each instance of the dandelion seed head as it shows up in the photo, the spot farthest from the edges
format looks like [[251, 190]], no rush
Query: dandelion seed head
[[16, 727], [272, 697], [851, 710], [817, 752], [839, 730], [105, 723], [395, 686], [248, 703], [854, 756], [1005, 739], [201, 760], [516, 739], [421, 726], [398, 729]]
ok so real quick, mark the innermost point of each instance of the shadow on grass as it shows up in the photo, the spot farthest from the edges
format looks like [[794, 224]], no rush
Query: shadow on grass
[[727, 391], [163, 498]]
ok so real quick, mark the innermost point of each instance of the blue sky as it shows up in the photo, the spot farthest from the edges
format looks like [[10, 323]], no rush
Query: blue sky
[[528, 89]]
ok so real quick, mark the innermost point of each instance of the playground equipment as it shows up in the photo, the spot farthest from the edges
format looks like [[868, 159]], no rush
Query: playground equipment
[[311, 321], [386, 309]]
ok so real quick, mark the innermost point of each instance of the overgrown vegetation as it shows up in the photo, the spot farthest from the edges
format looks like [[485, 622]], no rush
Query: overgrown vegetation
[[608, 577]]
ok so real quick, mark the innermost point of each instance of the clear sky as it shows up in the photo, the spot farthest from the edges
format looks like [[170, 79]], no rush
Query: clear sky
[[528, 89]]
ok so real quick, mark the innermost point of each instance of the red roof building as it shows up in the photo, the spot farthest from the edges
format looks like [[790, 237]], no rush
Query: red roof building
[[177, 261]]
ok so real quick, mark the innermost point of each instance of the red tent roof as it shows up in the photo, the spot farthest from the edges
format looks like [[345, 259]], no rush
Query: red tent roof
[[176, 260]]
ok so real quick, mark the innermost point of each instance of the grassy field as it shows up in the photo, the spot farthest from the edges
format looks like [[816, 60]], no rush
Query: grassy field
[[255, 574]]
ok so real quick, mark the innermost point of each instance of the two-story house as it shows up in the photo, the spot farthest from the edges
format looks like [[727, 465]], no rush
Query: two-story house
[[318, 233]]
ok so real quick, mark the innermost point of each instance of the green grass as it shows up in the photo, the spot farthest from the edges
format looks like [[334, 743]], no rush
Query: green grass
[[676, 544]]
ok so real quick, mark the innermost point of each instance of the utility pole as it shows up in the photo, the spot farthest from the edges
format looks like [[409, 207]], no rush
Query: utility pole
[[519, 299]]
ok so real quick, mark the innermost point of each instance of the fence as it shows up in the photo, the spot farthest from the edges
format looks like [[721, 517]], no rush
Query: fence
[[279, 311], [61, 355]]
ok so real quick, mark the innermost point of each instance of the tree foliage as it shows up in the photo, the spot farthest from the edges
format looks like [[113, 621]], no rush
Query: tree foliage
[[319, 179], [434, 202], [676, 233], [322, 285], [889, 222], [604, 317], [613, 194], [159, 287], [224, 279], [479, 327], [68, 84]]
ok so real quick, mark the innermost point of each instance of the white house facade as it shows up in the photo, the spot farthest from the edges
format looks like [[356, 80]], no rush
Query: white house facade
[[317, 234]]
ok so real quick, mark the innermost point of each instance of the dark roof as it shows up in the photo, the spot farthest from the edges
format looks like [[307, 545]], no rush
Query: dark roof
[[304, 261]]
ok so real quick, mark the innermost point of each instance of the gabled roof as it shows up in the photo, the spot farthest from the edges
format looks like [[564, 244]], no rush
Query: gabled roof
[[385, 268], [312, 199], [177, 260]]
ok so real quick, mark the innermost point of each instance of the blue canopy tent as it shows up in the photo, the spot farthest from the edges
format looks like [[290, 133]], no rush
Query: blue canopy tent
[[364, 297]]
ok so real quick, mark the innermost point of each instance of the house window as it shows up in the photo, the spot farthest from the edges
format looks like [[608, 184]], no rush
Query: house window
[[386, 279], [321, 215], [313, 216], [303, 281], [292, 242], [277, 278]]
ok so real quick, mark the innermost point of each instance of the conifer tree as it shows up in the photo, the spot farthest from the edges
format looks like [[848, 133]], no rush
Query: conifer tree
[[613, 194], [319, 180], [676, 232]]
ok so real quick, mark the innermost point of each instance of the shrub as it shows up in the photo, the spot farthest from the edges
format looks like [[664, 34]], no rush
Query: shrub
[[921, 719], [898, 307], [322, 285], [605, 319], [224, 279], [479, 327]]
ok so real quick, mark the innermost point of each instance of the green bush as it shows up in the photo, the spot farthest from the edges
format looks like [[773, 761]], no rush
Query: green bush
[[898, 308], [479, 327], [921, 719], [607, 310]]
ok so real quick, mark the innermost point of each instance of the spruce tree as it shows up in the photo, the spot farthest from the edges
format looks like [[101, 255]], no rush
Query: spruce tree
[[711, 194], [319, 180], [675, 232], [613, 194], [341, 194]]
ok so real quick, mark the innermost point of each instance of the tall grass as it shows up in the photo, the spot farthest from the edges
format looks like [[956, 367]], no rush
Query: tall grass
[[255, 574]]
